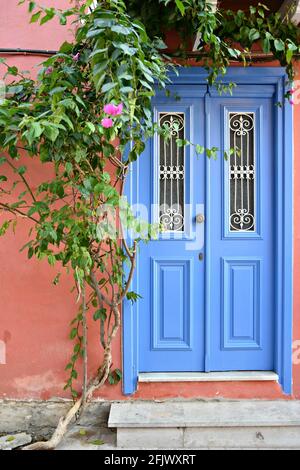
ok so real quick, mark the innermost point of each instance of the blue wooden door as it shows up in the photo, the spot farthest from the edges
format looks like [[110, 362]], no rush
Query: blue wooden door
[[207, 301], [171, 277], [240, 229]]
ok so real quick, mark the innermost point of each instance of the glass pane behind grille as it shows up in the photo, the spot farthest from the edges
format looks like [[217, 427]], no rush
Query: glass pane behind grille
[[242, 172], [171, 174]]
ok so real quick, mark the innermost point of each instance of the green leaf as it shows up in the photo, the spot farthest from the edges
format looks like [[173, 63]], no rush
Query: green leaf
[[234, 52], [266, 46], [51, 133], [254, 34], [90, 127], [21, 170], [128, 89], [62, 19], [66, 48], [49, 16], [279, 45], [56, 90], [51, 260], [120, 29], [125, 48], [82, 432], [100, 314], [97, 442], [35, 17], [180, 6], [98, 52], [12, 71], [77, 348], [31, 6], [73, 333], [15, 89], [111, 379], [56, 279], [4, 227], [133, 296], [30, 252], [69, 168], [200, 149], [261, 12], [289, 55], [108, 86]]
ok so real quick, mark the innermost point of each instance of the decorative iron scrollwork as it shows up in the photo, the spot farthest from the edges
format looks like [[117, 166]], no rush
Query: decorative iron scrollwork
[[171, 173], [242, 172]]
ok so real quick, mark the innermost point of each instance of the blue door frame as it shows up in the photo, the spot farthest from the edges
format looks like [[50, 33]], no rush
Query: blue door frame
[[283, 152]]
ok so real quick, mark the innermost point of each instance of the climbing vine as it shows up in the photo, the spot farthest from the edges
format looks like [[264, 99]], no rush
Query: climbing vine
[[88, 116]]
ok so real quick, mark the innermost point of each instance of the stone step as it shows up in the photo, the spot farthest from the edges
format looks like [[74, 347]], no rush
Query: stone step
[[207, 424], [252, 376]]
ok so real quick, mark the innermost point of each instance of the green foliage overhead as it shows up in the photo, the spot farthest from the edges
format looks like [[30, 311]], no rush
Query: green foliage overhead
[[225, 35]]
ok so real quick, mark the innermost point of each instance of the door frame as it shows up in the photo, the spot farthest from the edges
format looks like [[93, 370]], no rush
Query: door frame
[[283, 146]]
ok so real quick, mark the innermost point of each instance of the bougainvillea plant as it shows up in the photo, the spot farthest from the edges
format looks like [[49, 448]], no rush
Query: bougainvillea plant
[[88, 116]]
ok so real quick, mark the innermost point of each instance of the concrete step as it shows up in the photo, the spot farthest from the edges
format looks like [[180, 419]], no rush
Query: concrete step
[[207, 424], [251, 376]]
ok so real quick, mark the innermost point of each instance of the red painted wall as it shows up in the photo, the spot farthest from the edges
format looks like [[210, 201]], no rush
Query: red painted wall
[[34, 314]]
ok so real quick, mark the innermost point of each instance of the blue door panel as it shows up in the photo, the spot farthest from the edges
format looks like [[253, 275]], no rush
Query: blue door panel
[[171, 277], [242, 313], [172, 324]]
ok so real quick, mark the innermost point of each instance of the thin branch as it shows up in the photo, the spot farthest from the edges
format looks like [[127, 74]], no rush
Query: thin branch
[[84, 345], [101, 297], [23, 179], [124, 241], [102, 330], [14, 211], [131, 273]]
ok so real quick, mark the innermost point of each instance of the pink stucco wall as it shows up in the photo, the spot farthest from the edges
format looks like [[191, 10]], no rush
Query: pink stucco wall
[[34, 314]]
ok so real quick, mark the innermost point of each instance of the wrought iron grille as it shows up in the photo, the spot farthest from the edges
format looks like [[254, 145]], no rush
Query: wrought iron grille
[[242, 172], [171, 173]]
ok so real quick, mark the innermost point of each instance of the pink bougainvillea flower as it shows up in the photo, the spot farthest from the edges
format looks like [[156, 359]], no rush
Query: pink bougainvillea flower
[[119, 109], [292, 102], [76, 57], [110, 109], [107, 123], [113, 110], [49, 70], [292, 91]]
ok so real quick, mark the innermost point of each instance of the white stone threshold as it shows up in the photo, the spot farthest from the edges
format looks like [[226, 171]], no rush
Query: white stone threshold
[[251, 376]]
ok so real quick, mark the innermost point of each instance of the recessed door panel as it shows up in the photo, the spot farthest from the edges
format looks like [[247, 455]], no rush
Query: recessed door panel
[[172, 312]]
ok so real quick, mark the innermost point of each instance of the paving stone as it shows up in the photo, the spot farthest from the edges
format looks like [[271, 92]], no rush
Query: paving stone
[[88, 438], [40, 418], [13, 441]]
